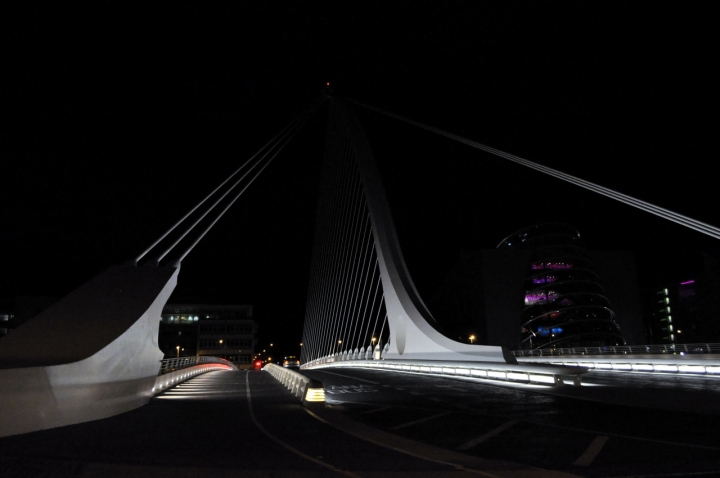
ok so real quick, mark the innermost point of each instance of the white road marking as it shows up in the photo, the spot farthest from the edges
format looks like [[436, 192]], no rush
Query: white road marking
[[592, 451], [285, 445], [426, 419], [487, 435]]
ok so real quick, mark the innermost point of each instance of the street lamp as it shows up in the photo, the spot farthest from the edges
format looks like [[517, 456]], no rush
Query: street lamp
[[472, 338], [178, 351], [374, 339]]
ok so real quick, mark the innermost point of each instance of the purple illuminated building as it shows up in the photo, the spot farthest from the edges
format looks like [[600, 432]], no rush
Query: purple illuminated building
[[565, 302], [542, 281]]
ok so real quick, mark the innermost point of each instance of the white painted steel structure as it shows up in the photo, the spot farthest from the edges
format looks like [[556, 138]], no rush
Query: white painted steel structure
[[357, 218]]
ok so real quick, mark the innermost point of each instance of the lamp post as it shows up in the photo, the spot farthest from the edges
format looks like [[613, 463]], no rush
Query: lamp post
[[178, 351], [472, 338]]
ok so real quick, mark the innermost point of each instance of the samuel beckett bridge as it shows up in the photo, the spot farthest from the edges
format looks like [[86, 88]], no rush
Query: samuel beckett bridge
[[367, 333]]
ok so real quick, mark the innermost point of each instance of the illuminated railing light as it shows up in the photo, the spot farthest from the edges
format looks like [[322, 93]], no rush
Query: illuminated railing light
[[315, 395], [541, 378], [691, 368], [621, 366], [479, 373], [665, 368], [517, 376], [495, 374]]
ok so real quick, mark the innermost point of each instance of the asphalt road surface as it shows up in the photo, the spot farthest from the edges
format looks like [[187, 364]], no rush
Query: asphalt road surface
[[378, 424], [659, 425]]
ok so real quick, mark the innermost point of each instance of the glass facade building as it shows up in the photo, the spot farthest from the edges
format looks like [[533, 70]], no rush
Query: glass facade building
[[565, 304]]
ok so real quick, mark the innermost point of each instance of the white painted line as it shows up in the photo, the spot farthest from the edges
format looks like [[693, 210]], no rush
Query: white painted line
[[491, 433], [426, 419], [592, 451], [286, 445], [376, 410], [349, 376]]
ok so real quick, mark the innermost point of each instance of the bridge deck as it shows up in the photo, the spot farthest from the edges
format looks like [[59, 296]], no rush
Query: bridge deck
[[205, 427]]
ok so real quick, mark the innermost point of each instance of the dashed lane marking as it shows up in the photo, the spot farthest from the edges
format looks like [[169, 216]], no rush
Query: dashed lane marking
[[490, 434], [592, 451], [421, 420]]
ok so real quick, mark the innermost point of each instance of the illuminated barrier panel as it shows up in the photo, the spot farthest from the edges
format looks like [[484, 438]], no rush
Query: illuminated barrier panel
[[310, 392], [691, 368], [518, 376], [534, 374], [541, 378], [163, 382], [713, 369], [643, 367]]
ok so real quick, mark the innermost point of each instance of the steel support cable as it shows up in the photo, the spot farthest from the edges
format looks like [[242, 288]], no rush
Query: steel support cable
[[280, 144], [377, 317], [677, 218], [323, 241], [317, 265], [272, 141], [360, 294], [372, 299], [343, 220], [359, 275], [381, 334], [347, 259], [267, 163], [358, 246], [358, 339], [363, 303], [375, 296]]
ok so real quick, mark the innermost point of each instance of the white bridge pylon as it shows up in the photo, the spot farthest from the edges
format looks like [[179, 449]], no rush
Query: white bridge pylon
[[330, 332]]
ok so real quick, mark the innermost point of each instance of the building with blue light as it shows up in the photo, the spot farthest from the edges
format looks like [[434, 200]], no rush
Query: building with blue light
[[565, 302], [541, 288]]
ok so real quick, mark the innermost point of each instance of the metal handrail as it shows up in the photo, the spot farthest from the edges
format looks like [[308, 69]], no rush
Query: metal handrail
[[179, 363], [623, 350]]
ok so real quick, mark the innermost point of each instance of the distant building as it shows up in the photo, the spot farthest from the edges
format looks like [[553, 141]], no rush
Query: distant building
[[226, 331], [565, 301], [687, 310], [14, 312], [542, 289]]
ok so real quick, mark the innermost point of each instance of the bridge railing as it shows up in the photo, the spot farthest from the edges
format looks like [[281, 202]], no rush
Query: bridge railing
[[682, 349], [179, 363]]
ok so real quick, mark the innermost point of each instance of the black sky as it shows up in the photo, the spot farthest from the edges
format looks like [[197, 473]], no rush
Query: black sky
[[118, 117]]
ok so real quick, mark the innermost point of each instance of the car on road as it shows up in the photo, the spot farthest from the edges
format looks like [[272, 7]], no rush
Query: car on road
[[257, 365], [291, 362]]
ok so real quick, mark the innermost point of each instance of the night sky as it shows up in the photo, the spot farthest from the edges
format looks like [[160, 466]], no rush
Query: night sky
[[118, 117]]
